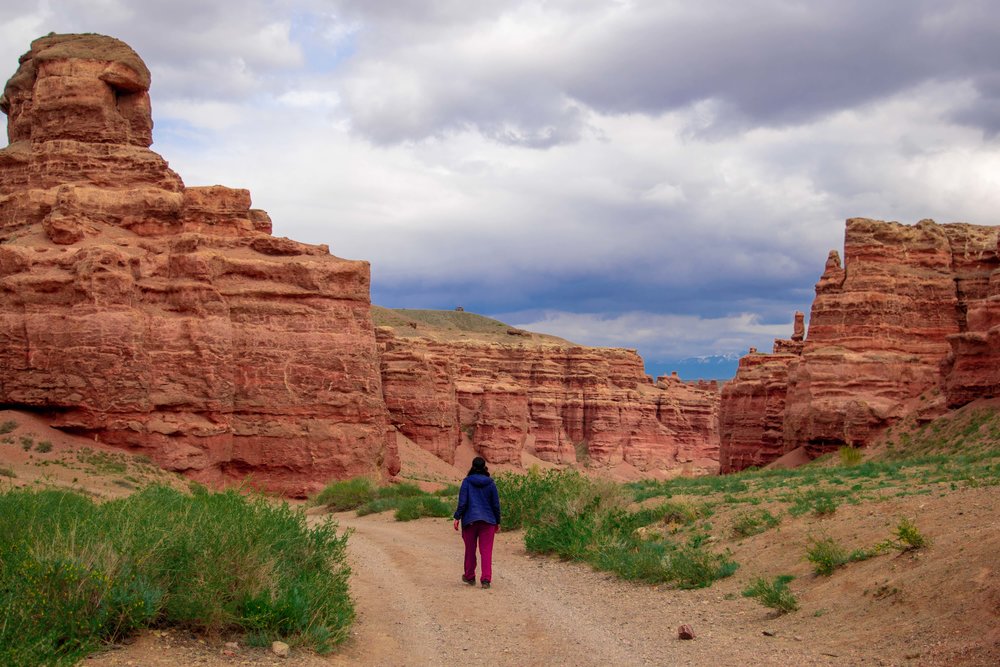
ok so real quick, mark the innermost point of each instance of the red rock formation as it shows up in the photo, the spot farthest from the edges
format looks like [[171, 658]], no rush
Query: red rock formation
[[752, 406], [877, 334], [883, 328], [166, 318], [972, 368], [560, 403]]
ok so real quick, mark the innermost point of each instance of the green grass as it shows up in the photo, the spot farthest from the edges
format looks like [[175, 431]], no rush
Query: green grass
[[906, 537], [110, 463], [409, 508], [346, 495], [850, 456], [753, 522], [408, 500], [774, 594], [963, 433], [75, 574], [450, 490], [576, 518], [826, 555]]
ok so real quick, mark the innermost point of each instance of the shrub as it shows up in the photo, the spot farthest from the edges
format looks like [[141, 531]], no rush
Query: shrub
[[74, 574], [676, 512], [410, 508], [7, 427], [774, 595], [44, 447], [824, 506], [850, 456], [522, 497], [27, 442], [7, 472], [346, 495], [753, 522], [908, 537], [564, 532], [576, 518], [827, 555], [409, 501], [450, 490], [377, 506], [693, 567], [401, 490]]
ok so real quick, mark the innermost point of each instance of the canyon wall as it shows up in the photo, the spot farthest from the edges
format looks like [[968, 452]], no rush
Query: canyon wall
[[163, 318], [911, 309], [560, 403]]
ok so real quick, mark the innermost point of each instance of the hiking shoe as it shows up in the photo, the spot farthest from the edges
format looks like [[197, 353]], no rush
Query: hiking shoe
[[471, 582], [486, 584]]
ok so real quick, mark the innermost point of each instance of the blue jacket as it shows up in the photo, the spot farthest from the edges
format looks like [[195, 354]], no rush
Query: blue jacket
[[478, 500]]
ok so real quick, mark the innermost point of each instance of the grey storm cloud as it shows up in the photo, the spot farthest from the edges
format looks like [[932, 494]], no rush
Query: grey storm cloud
[[652, 174], [448, 66]]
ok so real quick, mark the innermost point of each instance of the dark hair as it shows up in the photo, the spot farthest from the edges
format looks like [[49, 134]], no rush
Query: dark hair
[[478, 467]]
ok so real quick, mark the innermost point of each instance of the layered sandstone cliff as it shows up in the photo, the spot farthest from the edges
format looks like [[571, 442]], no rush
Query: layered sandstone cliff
[[516, 395], [908, 311], [752, 405], [166, 318]]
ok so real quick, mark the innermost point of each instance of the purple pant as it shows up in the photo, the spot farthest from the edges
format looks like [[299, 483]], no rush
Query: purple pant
[[481, 532]]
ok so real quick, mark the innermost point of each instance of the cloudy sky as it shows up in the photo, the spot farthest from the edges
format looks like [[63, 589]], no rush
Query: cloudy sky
[[666, 176]]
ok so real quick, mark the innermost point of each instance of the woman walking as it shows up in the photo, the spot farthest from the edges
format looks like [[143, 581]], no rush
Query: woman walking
[[479, 513]]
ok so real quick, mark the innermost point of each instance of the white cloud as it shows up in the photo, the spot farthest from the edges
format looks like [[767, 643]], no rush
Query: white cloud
[[657, 166]]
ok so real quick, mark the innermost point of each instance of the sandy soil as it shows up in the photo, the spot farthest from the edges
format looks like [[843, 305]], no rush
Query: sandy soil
[[414, 610], [939, 606]]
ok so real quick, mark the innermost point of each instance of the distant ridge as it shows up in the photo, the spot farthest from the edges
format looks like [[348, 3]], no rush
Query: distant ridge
[[456, 325]]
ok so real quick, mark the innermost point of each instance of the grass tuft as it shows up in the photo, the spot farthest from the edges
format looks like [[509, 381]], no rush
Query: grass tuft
[[415, 507], [826, 555], [850, 456], [774, 595], [753, 522], [908, 537], [346, 495]]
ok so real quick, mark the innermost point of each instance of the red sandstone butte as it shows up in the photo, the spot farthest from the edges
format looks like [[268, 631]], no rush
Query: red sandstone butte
[[559, 402], [911, 309], [165, 318]]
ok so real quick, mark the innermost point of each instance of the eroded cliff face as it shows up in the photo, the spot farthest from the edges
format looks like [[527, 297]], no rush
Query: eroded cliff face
[[166, 318], [910, 310], [971, 369], [752, 406], [561, 403]]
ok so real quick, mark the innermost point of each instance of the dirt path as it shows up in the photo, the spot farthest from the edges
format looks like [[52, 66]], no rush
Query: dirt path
[[414, 610]]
